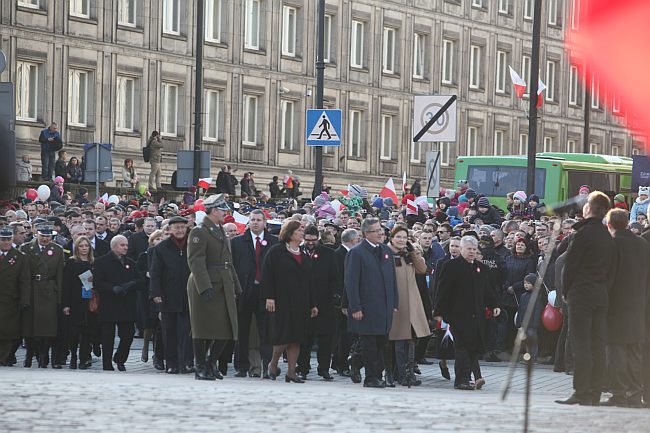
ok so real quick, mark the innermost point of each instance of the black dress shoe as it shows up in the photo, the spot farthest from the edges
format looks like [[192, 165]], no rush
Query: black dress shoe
[[293, 379], [326, 375], [73, 365], [274, 374], [188, 369], [355, 375], [97, 350], [302, 376], [266, 376], [464, 387], [444, 371], [172, 370], [203, 374], [158, 364], [57, 366], [121, 367], [374, 384], [575, 400], [241, 373], [108, 369], [615, 401], [255, 375], [27, 363]]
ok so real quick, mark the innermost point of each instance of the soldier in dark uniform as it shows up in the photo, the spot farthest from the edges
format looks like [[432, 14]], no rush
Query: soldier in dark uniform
[[211, 289], [14, 294], [41, 318]]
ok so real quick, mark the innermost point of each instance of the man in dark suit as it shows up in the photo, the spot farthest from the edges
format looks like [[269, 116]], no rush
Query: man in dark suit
[[99, 246], [138, 244], [102, 232], [248, 253], [372, 297]]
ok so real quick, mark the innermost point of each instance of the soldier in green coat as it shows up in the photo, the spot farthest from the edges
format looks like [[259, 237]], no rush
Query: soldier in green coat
[[41, 318], [211, 289], [14, 292]]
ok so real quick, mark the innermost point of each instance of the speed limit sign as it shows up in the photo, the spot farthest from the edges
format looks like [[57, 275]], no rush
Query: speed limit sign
[[425, 108]]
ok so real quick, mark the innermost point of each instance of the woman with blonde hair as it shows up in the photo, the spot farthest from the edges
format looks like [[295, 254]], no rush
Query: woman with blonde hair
[[75, 300], [129, 175]]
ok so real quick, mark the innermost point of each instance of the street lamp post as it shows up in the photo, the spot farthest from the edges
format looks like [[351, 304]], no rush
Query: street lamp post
[[320, 84], [198, 90], [532, 88]]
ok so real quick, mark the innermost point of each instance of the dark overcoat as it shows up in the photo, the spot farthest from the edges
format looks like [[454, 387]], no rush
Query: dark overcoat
[[243, 257], [138, 244], [14, 292], [108, 271], [210, 262], [646, 236], [327, 282], [371, 288], [79, 314], [628, 289], [168, 275], [290, 285], [464, 291], [588, 263], [46, 269]]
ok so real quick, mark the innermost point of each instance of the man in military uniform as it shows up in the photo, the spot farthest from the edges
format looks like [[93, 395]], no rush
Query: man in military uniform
[[40, 318], [14, 293], [211, 289]]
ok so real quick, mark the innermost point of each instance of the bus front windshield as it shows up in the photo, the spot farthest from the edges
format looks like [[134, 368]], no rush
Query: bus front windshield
[[498, 180]]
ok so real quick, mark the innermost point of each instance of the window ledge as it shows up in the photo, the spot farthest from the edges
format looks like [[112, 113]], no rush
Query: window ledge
[[355, 158], [128, 133], [479, 8], [216, 44], [359, 69], [171, 137], [213, 142], [81, 128], [390, 74], [295, 58], [258, 51], [504, 14], [179, 37], [555, 26], [477, 89], [420, 80], [37, 10], [454, 85], [135, 29], [85, 20], [288, 151], [256, 146], [27, 122]]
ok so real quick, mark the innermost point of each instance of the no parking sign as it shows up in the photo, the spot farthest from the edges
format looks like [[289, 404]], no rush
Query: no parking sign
[[425, 108]]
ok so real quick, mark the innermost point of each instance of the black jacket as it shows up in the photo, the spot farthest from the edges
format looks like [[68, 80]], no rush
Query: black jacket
[[243, 258], [327, 283], [168, 275], [60, 168], [588, 264], [79, 314], [138, 244], [517, 267], [101, 247], [108, 272], [274, 189]]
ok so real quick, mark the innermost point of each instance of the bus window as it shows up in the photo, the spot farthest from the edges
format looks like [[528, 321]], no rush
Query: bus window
[[498, 180], [597, 181]]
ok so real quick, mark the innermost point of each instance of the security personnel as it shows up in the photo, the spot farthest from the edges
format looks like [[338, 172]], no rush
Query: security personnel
[[14, 294], [41, 318], [211, 289]]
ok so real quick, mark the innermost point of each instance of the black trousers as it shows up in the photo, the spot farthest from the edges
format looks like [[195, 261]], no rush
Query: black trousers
[[625, 365], [646, 370], [587, 331], [6, 345], [563, 353], [372, 352], [244, 319], [125, 330], [421, 345], [81, 338], [466, 362], [176, 338], [324, 353], [343, 343], [207, 352]]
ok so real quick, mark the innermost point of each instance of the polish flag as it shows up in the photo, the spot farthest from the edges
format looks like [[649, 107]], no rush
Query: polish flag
[[540, 88], [411, 208], [104, 198], [336, 205], [345, 191], [518, 83], [205, 183], [404, 182], [389, 191]]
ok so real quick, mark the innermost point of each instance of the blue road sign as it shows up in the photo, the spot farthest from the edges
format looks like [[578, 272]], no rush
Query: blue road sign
[[323, 127]]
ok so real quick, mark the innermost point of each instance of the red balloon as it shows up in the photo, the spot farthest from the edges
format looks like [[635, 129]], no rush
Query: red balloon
[[552, 318], [198, 205], [31, 194]]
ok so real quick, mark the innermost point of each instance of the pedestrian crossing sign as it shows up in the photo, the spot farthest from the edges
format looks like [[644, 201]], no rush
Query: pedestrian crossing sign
[[323, 127]]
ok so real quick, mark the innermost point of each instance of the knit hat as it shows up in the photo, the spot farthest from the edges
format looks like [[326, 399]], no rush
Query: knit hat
[[462, 198], [59, 179], [585, 188], [388, 202], [356, 190], [520, 195], [619, 198], [530, 278], [483, 202], [378, 203], [470, 193], [453, 211], [644, 190], [533, 197]]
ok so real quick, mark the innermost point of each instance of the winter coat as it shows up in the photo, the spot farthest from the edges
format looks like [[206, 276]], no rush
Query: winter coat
[[639, 206], [60, 168], [23, 171], [129, 178], [168, 275], [109, 271], [156, 147], [50, 146], [536, 318], [56, 194], [411, 313], [225, 183], [489, 217], [517, 267], [15, 292], [79, 314], [327, 282], [243, 258], [246, 187], [75, 172]]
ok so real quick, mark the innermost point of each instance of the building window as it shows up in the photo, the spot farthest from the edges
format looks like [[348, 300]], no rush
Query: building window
[[616, 104], [552, 12], [356, 49], [169, 110], [573, 85], [477, 3], [416, 152], [250, 120], [213, 100], [80, 8], [289, 31], [548, 144], [616, 151], [26, 90], [33, 4], [525, 68], [355, 133], [126, 13], [124, 104], [171, 17], [327, 51], [287, 141], [528, 9], [472, 140], [504, 5], [77, 98], [550, 80], [444, 153], [498, 142], [593, 148], [419, 42], [502, 66], [575, 14], [252, 34], [595, 93], [388, 60], [635, 151], [386, 137], [474, 67], [213, 20], [523, 144], [447, 61], [571, 146]]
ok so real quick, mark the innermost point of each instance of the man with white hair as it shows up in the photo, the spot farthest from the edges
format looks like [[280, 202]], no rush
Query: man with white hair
[[465, 290], [230, 229]]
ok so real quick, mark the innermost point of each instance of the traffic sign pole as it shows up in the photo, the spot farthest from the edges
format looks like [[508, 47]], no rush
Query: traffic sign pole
[[320, 84]]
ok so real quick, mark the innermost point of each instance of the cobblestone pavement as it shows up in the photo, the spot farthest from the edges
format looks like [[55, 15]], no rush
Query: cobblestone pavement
[[144, 399]]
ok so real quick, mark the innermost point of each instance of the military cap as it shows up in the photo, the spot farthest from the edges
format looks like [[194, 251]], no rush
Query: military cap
[[217, 201], [6, 233], [177, 220], [45, 230]]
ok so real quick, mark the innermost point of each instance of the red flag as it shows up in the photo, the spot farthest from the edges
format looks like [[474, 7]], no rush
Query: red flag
[[612, 38], [411, 208], [518, 83], [404, 182], [205, 183], [389, 191]]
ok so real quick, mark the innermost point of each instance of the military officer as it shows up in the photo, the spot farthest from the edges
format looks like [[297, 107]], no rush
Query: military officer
[[211, 289], [14, 294], [40, 319]]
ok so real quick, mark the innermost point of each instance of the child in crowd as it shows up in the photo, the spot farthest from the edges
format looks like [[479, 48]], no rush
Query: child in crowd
[[533, 326]]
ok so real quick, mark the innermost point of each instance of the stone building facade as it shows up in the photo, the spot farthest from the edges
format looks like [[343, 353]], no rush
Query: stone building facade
[[115, 70]]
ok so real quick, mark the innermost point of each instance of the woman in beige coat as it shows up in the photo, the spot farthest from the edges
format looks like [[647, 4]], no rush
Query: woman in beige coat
[[410, 321]]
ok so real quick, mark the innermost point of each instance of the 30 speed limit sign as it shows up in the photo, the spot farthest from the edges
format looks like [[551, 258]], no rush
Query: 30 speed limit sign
[[425, 108]]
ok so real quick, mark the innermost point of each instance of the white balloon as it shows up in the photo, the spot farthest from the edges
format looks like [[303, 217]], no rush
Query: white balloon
[[43, 192], [552, 295], [199, 215], [114, 199]]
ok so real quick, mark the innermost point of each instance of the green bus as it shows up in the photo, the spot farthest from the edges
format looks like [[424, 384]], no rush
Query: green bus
[[558, 176]]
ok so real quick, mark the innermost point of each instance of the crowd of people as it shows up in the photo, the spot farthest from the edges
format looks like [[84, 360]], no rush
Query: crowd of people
[[375, 284]]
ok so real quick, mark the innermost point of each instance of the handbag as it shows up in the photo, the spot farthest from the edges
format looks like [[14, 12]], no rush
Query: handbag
[[93, 304], [146, 153]]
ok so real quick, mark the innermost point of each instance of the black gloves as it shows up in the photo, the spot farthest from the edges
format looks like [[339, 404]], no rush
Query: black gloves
[[409, 247], [208, 294], [122, 289]]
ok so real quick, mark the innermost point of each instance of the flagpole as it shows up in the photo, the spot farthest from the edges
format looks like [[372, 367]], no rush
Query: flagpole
[[532, 89]]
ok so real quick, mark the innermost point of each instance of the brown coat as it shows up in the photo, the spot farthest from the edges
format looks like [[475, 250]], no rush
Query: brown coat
[[40, 320], [156, 147], [411, 311], [14, 292], [210, 262]]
